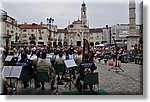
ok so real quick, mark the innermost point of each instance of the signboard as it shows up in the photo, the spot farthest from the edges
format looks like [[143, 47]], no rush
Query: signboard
[[124, 34]]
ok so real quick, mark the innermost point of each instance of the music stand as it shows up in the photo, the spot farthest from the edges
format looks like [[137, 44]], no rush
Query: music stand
[[70, 64], [116, 67], [33, 57], [12, 72], [8, 60]]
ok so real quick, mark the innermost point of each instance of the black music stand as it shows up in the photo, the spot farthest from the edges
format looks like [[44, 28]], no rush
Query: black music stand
[[70, 81], [12, 72], [70, 64], [116, 67]]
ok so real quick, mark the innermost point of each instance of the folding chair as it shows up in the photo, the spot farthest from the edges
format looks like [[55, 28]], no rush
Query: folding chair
[[60, 69], [90, 79], [25, 77], [43, 76]]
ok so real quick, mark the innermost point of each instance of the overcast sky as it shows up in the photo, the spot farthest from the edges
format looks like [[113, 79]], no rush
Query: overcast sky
[[100, 12]]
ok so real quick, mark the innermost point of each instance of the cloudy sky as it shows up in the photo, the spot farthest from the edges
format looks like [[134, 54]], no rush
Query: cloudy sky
[[100, 12]]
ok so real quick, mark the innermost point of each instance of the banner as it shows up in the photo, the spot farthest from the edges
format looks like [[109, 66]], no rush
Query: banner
[[85, 48]]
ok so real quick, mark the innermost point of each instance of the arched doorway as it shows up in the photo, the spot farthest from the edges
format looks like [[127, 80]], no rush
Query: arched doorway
[[60, 44], [65, 43], [96, 43], [54, 44]]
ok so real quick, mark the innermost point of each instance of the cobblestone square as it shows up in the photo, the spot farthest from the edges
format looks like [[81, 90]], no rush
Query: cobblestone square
[[129, 82]]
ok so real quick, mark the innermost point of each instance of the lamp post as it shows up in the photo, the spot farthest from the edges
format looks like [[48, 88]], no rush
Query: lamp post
[[49, 23]]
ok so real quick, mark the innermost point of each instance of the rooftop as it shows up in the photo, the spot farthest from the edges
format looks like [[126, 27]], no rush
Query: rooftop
[[96, 30], [32, 26], [62, 30]]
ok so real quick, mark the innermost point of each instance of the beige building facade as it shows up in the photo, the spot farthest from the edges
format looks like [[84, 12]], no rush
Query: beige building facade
[[96, 36], [10, 30], [34, 34]]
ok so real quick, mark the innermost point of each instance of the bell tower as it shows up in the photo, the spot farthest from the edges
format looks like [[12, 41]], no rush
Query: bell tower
[[84, 14]]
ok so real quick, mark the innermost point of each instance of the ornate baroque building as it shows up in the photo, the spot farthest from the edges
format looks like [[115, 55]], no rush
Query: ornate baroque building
[[79, 30], [45, 34]]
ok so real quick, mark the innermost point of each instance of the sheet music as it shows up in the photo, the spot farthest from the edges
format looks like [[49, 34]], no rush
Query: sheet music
[[74, 56], [28, 56], [57, 56], [16, 71], [8, 58], [63, 57], [70, 63], [49, 57], [20, 64], [12, 71], [6, 71], [16, 55], [19, 57], [33, 57], [71, 56]]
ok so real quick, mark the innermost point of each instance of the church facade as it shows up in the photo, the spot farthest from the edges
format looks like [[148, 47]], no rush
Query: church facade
[[79, 30]]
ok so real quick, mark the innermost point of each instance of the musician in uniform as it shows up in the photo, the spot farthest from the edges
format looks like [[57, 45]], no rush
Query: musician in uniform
[[59, 61], [85, 64]]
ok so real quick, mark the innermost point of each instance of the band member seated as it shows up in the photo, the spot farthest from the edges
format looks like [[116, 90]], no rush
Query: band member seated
[[46, 65], [53, 57], [86, 66], [23, 57], [27, 67], [59, 61], [35, 68]]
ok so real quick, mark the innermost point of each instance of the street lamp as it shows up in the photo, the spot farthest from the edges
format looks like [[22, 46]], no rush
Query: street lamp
[[49, 23]]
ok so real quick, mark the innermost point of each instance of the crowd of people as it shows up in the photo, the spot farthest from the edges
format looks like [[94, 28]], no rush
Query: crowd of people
[[122, 55], [23, 56]]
